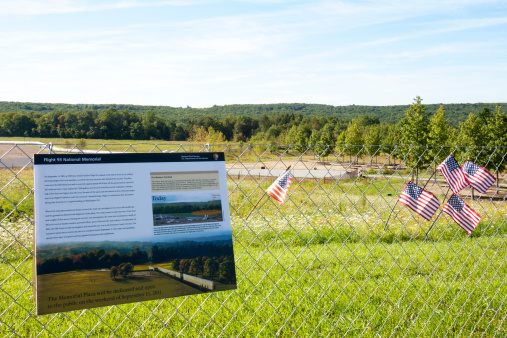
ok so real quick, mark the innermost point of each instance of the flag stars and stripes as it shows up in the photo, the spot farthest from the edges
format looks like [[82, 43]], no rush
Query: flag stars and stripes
[[278, 190], [421, 201], [470, 168], [478, 177], [453, 174], [461, 213]]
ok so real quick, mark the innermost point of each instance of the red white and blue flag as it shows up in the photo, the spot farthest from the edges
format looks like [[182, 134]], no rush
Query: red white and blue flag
[[421, 201], [453, 174], [278, 190], [478, 177], [461, 213]]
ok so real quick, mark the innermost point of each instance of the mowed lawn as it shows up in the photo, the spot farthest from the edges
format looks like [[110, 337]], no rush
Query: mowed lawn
[[454, 288], [81, 289], [323, 264]]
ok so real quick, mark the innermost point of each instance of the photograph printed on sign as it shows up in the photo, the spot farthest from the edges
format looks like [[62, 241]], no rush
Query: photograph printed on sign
[[107, 233]]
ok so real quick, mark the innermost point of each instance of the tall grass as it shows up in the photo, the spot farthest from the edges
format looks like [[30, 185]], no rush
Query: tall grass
[[324, 264]]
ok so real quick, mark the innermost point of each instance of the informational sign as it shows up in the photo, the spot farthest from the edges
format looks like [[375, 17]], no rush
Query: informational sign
[[120, 228]]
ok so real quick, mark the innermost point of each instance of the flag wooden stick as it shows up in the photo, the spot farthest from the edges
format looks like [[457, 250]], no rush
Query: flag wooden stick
[[438, 216], [386, 227], [441, 210], [255, 206], [429, 179]]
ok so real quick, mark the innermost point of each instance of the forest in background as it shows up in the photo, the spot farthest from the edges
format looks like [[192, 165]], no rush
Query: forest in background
[[456, 112], [418, 124]]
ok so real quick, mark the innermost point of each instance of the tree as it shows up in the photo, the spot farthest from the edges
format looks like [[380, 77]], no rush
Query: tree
[[125, 269], [354, 140], [372, 141], [194, 269], [113, 272], [391, 141], [497, 134], [414, 136], [226, 273], [15, 124], [290, 135], [326, 142], [302, 136], [210, 267], [184, 265], [156, 254], [198, 134], [340, 144], [474, 135], [438, 134], [215, 136], [484, 115], [313, 141]]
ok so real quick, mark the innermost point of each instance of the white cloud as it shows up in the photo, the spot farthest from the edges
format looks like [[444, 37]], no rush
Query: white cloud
[[320, 52], [34, 7]]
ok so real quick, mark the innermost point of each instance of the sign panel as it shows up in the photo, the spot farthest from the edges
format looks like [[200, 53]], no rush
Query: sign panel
[[119, 228]]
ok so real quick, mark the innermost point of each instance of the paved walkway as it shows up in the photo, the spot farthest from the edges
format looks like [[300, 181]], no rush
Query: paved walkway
[[299, 173]]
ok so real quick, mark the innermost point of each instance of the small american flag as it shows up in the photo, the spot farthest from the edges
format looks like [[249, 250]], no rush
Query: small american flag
[[453, 174], [461, 213], [421, 201], [478, 177], [278, 190]]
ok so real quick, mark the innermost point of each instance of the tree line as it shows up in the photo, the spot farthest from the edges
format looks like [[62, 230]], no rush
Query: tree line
[[458, 112], [92, 259], [421, 139], [282, 124], [219, 268], [185, 207], [416, 139], [102, 259]]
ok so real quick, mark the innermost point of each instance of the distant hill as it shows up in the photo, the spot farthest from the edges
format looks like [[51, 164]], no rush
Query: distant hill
[[455, 112]]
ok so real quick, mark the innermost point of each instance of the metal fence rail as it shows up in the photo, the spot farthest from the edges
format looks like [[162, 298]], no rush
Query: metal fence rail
[[339, 258]]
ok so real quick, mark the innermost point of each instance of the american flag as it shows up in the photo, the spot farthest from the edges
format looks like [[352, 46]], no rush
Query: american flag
[[478, 177], [453, 174], [461, 213], [421, 201], [278, 190]]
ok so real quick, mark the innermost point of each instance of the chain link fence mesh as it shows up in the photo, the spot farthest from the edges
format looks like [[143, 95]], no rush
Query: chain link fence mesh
[[339, 258]]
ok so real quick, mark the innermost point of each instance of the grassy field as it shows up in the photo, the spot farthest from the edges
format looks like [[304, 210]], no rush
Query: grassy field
[[454, 287], [102, 290], [324, 264]]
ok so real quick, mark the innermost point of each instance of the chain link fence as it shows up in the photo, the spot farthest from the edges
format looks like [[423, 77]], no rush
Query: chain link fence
[[339, 258]]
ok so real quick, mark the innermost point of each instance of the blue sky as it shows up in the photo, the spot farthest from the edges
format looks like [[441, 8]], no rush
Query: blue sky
[[202, 53]]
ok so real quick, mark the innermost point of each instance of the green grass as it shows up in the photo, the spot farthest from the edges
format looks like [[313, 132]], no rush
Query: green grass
[[99, 285], [16, 198], [324, 264], [453, 287]]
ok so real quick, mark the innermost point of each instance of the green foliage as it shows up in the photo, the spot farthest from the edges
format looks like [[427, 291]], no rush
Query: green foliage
[[124, 270], [268, 124], [414, 133], [302, 138], [226, 273], [372, 140], [497, 134], [354, 140], [438, 135], [113, 272], [385, 114], [474, 136]]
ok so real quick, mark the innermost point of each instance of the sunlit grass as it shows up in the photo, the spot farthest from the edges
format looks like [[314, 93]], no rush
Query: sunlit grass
[[326, 263]]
